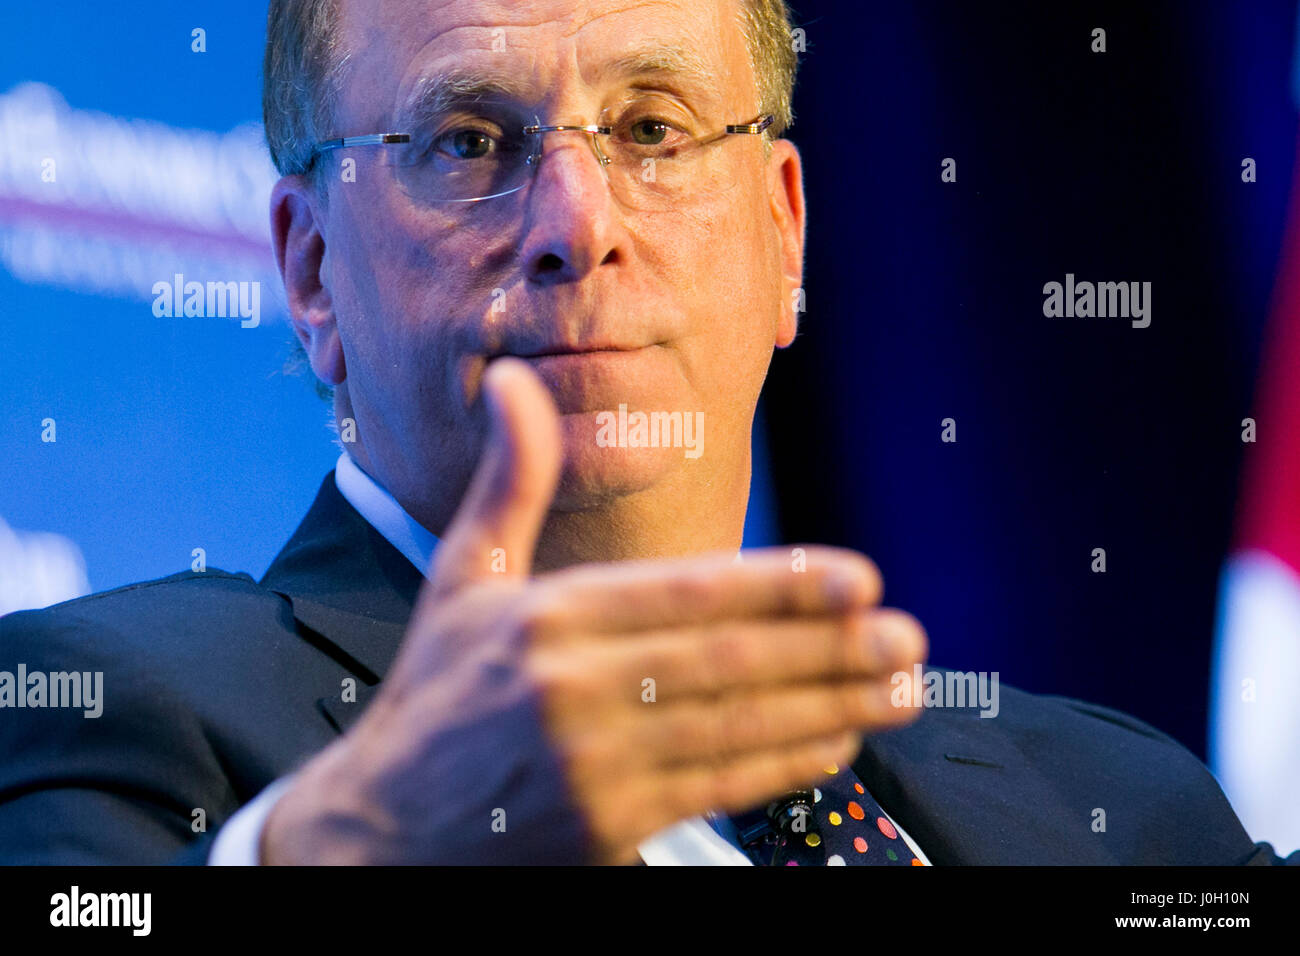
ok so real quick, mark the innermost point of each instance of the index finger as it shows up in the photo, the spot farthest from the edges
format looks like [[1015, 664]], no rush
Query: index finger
[[767, 583]]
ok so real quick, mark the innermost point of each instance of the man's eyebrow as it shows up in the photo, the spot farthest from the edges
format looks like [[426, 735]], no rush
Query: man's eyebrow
[[436, 93]]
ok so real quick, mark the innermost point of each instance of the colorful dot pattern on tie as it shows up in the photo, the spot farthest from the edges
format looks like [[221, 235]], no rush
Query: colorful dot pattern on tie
[[848, 828]]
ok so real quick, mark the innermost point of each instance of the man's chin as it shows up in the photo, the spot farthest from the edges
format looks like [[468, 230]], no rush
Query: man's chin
[[597, 472]]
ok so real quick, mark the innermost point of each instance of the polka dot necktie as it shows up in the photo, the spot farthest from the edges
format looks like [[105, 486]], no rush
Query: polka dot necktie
[[841, 825]]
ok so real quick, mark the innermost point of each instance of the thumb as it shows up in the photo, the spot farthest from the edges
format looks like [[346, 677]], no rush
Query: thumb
[[494, 531]]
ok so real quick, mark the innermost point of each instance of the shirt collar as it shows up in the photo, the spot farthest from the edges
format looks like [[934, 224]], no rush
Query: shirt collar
[[389, 518], [383, 512]]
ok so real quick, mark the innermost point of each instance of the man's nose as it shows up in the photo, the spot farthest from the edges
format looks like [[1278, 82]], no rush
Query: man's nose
[[571, 226]]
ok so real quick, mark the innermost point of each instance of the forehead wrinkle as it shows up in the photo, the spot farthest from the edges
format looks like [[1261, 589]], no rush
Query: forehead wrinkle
[[459, 85], [693, 55], [435, 92], [676, 61]]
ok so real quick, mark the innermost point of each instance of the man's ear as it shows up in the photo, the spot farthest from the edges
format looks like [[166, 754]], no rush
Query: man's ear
[[785, 190], [300, 255]]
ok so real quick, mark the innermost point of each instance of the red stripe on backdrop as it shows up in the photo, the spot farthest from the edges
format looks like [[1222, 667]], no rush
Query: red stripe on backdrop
[[1269, 505]]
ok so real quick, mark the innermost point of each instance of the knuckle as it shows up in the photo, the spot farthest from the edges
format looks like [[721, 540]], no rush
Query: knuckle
[[728, 656], [709, 738], [541, 616], [691, 590], [741, 723], [664, 665], [680, 733]]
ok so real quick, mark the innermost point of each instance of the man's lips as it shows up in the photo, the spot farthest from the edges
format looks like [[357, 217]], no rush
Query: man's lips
[[575, 374], [590, 379], [558, 350]]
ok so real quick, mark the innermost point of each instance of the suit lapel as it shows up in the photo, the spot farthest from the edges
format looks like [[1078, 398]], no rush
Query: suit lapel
[[351, 591], [964, 790], [343, 714]]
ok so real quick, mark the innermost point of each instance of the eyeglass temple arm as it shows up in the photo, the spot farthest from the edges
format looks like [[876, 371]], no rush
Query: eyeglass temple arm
[[373, 139], [758, 126]]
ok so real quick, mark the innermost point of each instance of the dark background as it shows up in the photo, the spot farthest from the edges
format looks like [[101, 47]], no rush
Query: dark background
[[924, 301]]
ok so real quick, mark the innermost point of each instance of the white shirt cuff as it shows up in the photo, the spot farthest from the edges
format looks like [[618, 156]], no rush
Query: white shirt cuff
[[692, 842], [239, 841]]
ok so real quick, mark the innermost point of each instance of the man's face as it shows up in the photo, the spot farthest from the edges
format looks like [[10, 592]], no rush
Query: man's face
[[673, 310]]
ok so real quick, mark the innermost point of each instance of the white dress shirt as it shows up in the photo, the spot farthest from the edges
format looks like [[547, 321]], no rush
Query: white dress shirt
[[692, 842]]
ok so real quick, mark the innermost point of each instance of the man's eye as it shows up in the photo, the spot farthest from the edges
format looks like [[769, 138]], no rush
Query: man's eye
[[649, 132], [466, 143]]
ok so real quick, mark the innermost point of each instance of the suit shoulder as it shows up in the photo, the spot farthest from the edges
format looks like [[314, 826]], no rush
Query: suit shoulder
[[1034, 711], [179, 615], [214, 643], [1118, 719], [1128, 763], [1083, 730], [142, 593]]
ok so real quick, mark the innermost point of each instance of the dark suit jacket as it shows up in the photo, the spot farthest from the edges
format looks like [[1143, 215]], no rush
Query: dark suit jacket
[[216, 684]]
